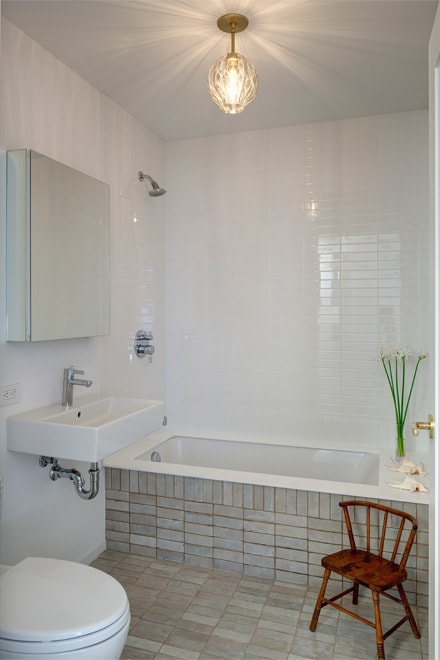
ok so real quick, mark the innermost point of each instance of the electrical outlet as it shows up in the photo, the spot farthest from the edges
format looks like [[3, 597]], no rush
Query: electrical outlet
[[9, 394]]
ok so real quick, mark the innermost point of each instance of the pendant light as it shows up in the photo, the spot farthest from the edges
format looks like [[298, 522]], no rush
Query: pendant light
[[232, 79]]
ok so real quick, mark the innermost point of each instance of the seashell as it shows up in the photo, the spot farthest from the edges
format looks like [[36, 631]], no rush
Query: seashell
[[409, 483], [408, 467]]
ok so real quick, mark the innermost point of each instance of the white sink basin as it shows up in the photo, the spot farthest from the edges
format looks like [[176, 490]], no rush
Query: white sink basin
[[92, 429]]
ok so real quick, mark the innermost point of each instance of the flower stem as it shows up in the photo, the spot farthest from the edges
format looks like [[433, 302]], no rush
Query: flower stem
[[400, 440]]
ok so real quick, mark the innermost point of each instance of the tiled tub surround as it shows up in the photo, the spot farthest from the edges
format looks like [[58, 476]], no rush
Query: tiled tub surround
[[276, 533]]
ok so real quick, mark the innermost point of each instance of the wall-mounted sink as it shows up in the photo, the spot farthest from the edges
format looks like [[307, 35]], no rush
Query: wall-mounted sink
[[92, 429]]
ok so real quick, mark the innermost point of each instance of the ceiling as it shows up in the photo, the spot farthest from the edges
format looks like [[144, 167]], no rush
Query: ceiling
[[316, 59]]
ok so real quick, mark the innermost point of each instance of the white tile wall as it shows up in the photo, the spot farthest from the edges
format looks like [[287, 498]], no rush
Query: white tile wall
[[292, 255]]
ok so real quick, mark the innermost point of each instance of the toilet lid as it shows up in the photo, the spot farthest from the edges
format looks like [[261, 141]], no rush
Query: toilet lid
[[52, 599]]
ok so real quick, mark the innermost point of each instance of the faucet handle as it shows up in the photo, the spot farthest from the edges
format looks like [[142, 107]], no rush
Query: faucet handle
[[71, 371]]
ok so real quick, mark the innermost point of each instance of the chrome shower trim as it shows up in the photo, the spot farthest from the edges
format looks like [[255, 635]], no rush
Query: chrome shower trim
[[156, 191]]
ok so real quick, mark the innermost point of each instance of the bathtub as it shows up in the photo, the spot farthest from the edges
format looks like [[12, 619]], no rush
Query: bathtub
[[324, 469], [306, 462]]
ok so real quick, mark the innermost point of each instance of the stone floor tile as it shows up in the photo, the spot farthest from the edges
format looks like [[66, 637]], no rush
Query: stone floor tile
[[232, 631], [179, 586], [276, 625], [142, 644], [288, 617], [189, 640], [162, 615], [224, 649], [207, 608], [261, 653], [240, 615], [306, 647], [152, 631], [173, 601], [272, 640], [192, 613], [168, 651]]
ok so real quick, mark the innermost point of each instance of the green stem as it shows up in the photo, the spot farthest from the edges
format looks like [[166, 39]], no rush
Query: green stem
[[396, 369], [402, 404], [422, 357], [389, 375], [398, 394], [400, 440]]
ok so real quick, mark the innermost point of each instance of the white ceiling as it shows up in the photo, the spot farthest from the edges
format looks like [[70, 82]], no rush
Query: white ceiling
[[316, 59]]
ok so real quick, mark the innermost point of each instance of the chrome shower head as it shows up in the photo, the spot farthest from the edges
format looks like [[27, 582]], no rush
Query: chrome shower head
[[156, 191]]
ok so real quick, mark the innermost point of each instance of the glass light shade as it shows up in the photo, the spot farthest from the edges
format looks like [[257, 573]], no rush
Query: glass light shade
[[232, 82]]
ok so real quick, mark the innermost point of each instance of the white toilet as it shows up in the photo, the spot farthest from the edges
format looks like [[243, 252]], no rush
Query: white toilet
[[51, 606]]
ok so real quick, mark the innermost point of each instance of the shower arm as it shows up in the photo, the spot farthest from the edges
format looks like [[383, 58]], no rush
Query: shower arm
[[157, 189], [143, 176]]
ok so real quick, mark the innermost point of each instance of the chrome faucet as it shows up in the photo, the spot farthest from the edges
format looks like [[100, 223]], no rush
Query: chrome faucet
[[69, 381]]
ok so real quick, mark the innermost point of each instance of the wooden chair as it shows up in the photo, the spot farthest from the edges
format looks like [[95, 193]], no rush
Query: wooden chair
[[385, 536]]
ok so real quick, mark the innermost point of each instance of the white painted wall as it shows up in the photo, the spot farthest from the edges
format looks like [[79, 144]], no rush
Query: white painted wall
[[292, 255], [47, 107]]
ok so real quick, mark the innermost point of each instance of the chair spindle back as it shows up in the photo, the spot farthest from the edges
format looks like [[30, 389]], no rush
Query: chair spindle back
[[395, 544]]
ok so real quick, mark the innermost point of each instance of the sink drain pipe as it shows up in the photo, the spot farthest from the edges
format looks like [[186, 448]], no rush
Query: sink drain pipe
[[58, 472]]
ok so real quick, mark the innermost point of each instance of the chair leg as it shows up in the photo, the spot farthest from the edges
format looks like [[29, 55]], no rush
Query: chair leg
[[379, 633], [408, 610], [355, 593], [318, 606]]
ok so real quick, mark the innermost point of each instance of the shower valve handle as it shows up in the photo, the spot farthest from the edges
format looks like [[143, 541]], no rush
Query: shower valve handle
[[142, 346]]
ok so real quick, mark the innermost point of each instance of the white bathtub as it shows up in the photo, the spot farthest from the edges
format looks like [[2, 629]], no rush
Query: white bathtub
[[325, 469], [257, 458]]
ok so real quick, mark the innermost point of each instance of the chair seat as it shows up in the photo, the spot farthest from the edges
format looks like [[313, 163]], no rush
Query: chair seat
[[368, 569]]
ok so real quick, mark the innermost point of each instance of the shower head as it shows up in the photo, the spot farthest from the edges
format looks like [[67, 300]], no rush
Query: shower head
[[156, 191]]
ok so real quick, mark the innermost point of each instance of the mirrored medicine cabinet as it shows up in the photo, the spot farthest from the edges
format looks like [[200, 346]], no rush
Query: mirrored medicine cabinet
[[57, 250]]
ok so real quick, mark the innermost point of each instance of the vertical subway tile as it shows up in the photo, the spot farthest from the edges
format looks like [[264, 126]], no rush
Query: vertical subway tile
[[237, 495], [125, 480], [217, 493], [169, 485], [313, 504], [206, 491], [301, 502], [142, 483], [134, 481], [161, 484], [324, 505], [179, 487], [248, 496], [269, 498], [291, 501], [151, 484], [227, 493], [258, 497], [280, 500]]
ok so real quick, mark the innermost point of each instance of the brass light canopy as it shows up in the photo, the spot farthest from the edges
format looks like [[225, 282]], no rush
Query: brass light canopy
[[232, 79]]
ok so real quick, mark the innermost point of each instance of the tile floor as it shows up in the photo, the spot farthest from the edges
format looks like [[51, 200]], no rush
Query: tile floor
[[183, 611]]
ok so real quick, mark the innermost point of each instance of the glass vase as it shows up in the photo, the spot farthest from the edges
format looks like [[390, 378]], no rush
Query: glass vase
[[400, 438]]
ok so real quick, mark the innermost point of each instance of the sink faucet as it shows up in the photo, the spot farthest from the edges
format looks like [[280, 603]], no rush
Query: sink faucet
[[69, 381]]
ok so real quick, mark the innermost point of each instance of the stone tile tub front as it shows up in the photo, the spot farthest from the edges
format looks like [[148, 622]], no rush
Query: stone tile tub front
[[271, 526]]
